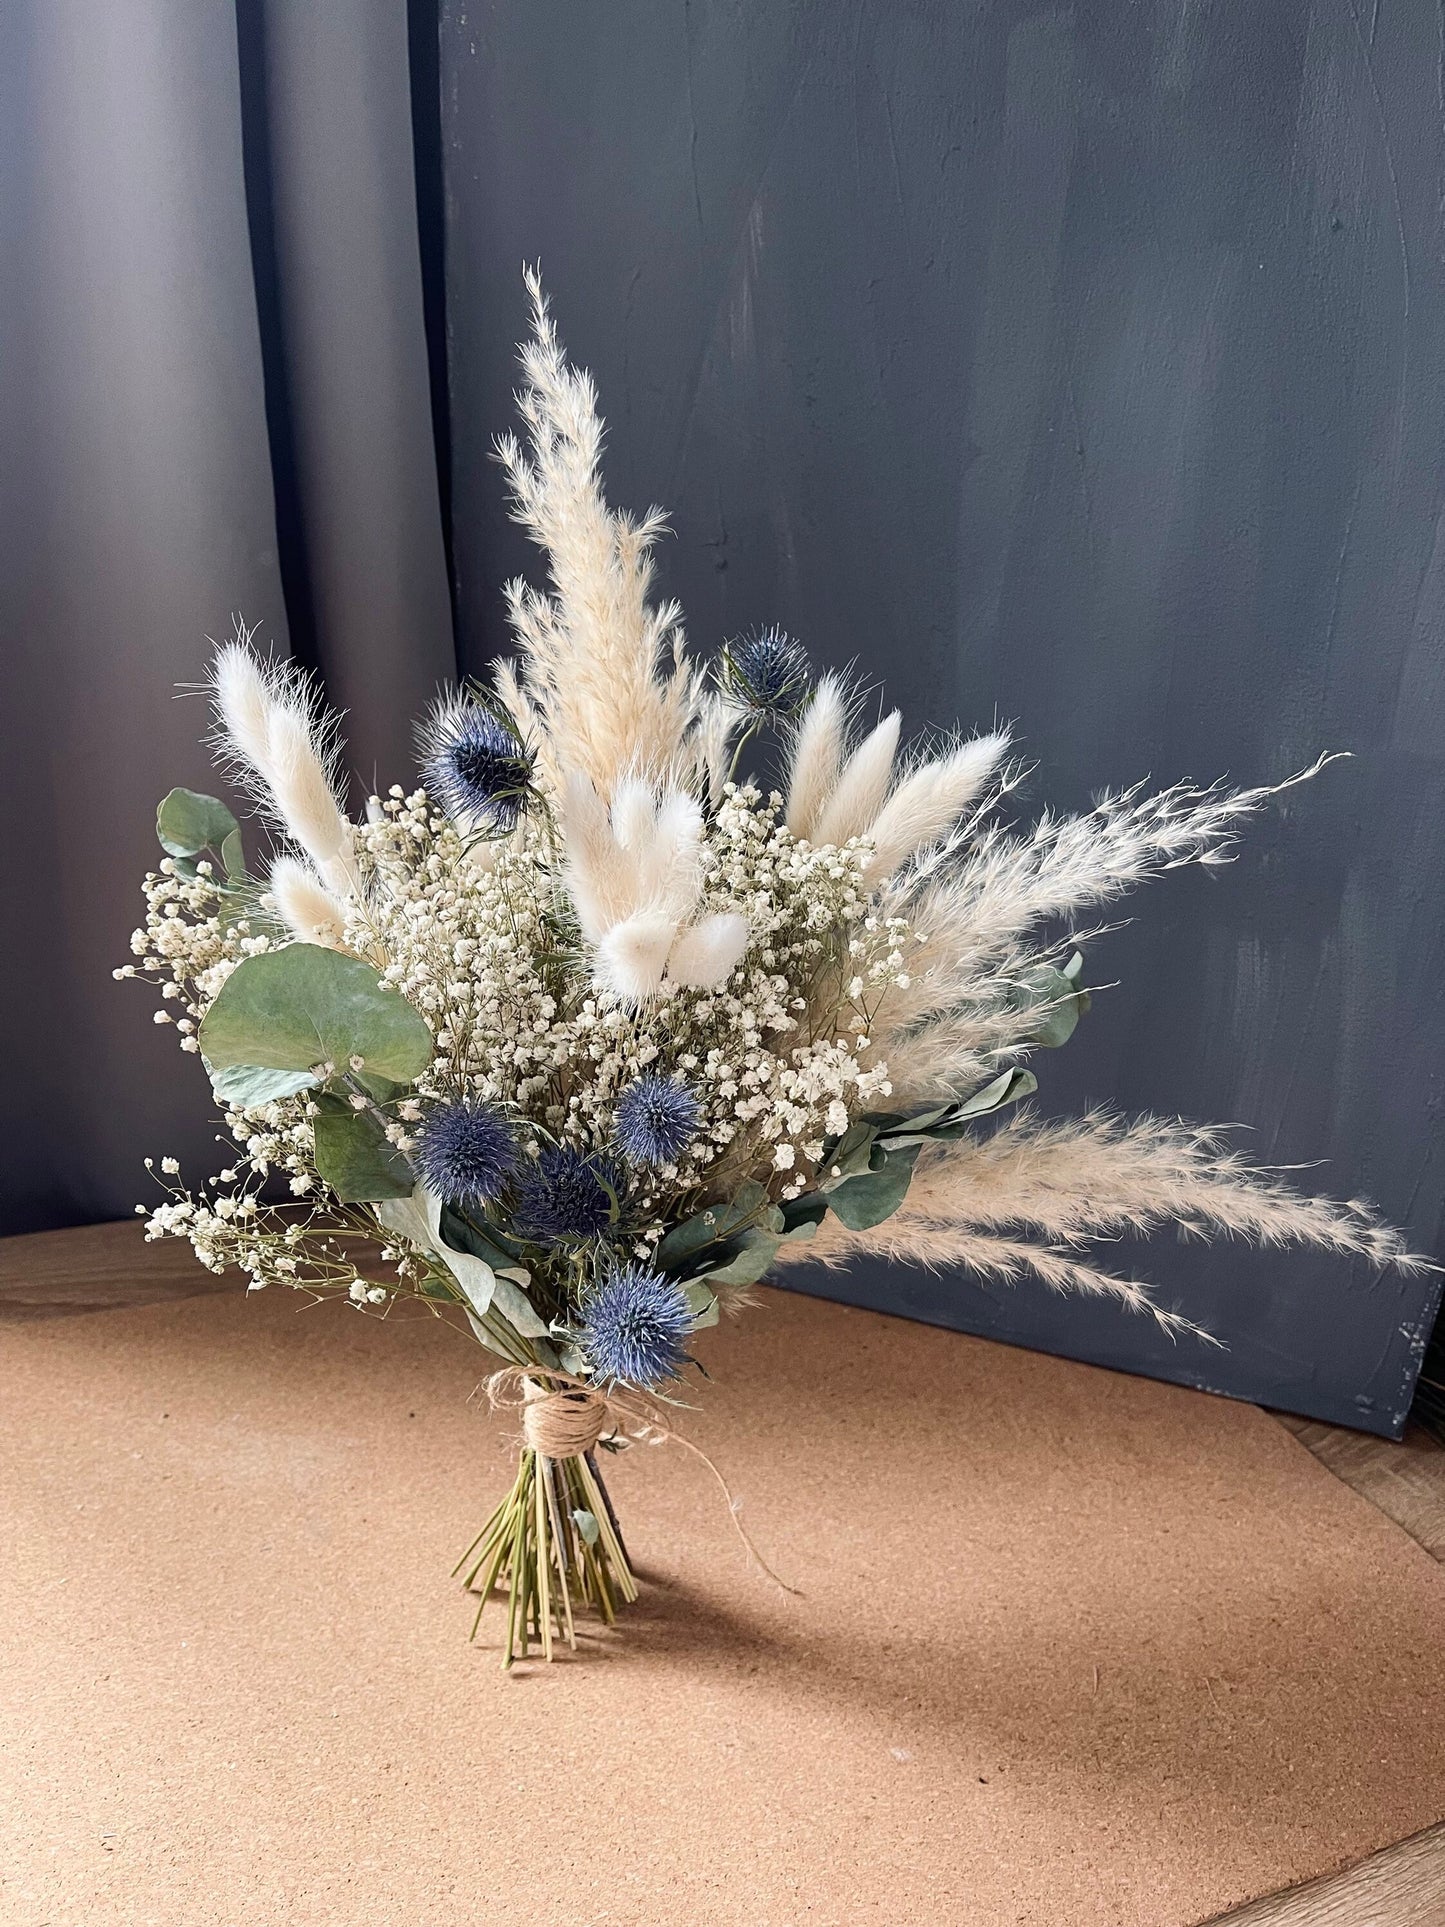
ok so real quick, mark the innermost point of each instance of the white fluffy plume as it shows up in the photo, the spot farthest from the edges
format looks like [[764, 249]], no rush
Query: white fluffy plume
[[603, 669], [305, 905], [281, 743], [857, 796], [976, 918], [706, 954], [926, 804], [816, 755], [635, 878], [835, 793]]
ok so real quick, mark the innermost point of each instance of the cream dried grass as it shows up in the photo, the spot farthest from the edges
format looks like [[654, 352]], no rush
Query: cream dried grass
[[604, 670]]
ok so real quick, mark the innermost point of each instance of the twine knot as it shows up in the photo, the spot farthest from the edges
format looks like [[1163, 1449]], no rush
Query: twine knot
[[563, 1424], [565, 1418]]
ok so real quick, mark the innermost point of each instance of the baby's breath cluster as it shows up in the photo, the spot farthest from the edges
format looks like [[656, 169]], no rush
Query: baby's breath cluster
[[778, 1058], [767, 1067]]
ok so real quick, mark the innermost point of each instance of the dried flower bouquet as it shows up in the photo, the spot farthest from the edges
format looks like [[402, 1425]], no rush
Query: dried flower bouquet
[[588, 1032]]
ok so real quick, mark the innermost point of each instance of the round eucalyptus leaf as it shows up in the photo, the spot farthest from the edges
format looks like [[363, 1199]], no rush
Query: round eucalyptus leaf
[[355, 1158], [246, 1086], [302, 1006], [187, 822]]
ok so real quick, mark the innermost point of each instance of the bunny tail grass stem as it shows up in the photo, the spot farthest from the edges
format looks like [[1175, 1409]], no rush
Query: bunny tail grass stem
[[554, 1547]]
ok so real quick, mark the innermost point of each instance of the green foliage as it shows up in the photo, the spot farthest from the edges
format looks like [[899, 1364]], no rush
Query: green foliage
[[296, 1008], [484, 1288], [875, 1194], [188, 822], [1057, 998], [710, 1227], [233, 856], [355, 1157]]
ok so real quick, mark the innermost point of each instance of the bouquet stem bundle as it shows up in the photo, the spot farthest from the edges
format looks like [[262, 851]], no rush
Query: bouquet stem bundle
[[552, 1545]]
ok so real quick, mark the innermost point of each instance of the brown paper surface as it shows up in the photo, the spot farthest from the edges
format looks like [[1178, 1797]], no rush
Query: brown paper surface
[[1073, 1647]]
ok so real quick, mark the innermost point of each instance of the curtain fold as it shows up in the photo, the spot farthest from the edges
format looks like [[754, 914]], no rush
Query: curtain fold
[[215, 397]]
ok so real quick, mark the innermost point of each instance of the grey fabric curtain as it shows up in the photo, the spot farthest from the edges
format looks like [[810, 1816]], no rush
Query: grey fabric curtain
[[216, 397]]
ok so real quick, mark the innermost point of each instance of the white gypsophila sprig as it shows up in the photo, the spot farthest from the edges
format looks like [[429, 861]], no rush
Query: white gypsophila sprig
[[779, 1055]]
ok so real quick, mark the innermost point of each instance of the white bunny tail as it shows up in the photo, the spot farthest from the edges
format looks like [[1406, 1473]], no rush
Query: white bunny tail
[[633, 954], [242, 688], [862, 785], [305, 905], [816, 754], [705, 956], [928, 802]]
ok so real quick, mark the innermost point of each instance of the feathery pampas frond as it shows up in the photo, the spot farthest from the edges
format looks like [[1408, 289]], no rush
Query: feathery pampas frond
[[936, 1244], [1100, 1175], [605, 670], [972, 917]]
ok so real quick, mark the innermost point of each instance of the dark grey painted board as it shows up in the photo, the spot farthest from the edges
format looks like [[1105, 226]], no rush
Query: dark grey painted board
[[1084, 367]]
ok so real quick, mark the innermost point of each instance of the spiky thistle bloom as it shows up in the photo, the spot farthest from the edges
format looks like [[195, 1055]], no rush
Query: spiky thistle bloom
[[767, 674], [466, 1152], [657, 1118], [637, 1324], [476, 764], [566, 1196]]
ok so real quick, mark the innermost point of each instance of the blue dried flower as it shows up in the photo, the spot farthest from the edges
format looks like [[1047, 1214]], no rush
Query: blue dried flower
[[656, 1119], [466, 1151], [476, 766], [768, 674], [637, 1322], [566, 1194]]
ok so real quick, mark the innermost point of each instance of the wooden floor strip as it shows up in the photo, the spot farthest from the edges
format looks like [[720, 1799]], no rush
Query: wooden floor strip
[[1402, 1887], [1405, 1480], [97, 1267]]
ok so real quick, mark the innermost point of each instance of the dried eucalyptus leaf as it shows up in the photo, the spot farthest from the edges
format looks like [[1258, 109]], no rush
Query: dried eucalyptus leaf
[[295, 1008], [750, 1257], [703, 1304], [245, 1087], [354, 1156], [188, 822], [713, 1226], [586, 1524], [866, 1200]]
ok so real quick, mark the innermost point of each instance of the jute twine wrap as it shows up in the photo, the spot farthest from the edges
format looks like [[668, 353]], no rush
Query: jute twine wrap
[[565, 1424], [566, 1417]]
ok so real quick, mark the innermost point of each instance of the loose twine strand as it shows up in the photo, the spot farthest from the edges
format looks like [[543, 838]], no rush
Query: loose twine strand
[[566, 1423]]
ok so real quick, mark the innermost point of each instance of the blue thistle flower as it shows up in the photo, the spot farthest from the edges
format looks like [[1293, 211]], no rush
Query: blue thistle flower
[[466, 1151], [656, 1119], [636, 1325], [476, 765], [767, 673], [565, 1195]]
